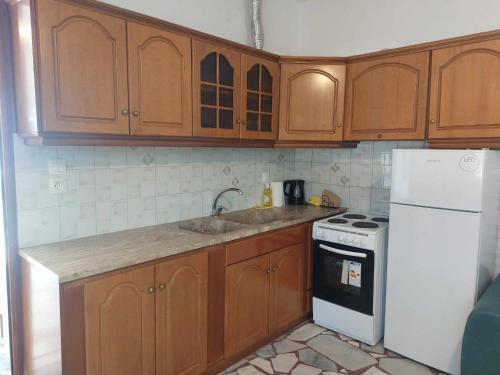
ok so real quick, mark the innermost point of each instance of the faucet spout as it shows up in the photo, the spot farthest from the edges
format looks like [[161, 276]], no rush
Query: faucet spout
[[216, 209]]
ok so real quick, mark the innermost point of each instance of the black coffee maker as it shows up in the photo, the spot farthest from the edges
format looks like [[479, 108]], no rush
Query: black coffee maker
[[294, 192]]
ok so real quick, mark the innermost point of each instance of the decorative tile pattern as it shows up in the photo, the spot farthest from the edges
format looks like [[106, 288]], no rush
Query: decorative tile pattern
[[327, 353], [116, 188]]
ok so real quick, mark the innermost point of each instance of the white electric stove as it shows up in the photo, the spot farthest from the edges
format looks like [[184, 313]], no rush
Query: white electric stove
[[349, 274]]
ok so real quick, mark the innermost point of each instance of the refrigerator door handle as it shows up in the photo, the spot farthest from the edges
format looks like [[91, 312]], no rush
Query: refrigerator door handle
[[343, 252]]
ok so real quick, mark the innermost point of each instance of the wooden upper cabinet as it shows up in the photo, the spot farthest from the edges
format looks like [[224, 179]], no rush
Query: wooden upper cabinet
[[181, 315], [260, 98], [247, 304], [120, 324], [216, 91], [465, 91], [82, 70], [386, 98], [311, 102], [287, 287], [159, 66]]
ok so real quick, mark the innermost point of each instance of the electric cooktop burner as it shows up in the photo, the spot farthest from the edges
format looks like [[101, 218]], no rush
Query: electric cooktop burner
[[354, 216], [380, 219], [338, 221], [364, 224]]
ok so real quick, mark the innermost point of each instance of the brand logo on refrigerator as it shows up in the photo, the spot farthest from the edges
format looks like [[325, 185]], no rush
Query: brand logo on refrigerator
[[469, 163]]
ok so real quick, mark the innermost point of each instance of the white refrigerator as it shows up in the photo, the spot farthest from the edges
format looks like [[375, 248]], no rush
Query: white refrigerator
[[441, 251]]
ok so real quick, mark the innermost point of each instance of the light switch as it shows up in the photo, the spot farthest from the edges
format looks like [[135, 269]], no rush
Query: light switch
[[57, 185]]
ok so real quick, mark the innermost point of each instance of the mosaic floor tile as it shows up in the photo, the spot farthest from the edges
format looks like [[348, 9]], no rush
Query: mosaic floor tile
[[313, 358], [398, 366], [374, 371], [305, 370], [312, 350], [248, 370], [287, 346], [266, 351], [262, 364], [284, 362], [379, 348], [306, 332], [342, 353]]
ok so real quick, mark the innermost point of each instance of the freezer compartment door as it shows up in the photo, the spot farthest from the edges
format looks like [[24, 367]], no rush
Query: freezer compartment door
[[438, 178], [431, 283]]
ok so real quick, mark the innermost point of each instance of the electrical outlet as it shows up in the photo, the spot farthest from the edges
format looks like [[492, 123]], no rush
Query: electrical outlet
[[57, 185], [57, 166]]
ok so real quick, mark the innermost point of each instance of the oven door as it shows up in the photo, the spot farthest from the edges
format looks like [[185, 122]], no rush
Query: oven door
[[343, 275]]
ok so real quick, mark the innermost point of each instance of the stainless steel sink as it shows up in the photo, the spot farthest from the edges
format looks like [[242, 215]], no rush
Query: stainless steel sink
[[210, 225], [257, 217]]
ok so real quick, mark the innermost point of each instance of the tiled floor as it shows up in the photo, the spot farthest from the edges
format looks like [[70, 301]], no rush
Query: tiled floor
[[312, 350]]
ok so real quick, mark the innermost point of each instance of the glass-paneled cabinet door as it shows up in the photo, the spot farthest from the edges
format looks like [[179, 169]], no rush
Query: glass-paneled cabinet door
[[216, 91], [260, 87]]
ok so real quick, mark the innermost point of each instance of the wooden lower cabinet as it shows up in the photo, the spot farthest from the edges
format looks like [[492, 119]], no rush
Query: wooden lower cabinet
[[287, 287], [136, 326], [247, 304], [120, 324], [181, 315], [264, 296]]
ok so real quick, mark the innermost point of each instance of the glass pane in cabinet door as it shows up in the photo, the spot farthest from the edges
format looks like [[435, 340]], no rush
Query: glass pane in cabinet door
[[208, 117], [252, 101], [253, 78], [225, 119], [209, 68], [266, 123], [252, 121], [225, 97], [208, 95], [225, 72], [266, 103], [267, 81]]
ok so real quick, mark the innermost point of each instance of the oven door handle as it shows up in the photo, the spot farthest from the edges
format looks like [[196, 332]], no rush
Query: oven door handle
[[343, 252]]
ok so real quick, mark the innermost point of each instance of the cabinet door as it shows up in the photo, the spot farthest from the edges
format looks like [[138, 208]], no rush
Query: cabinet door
[[216, 91], [465, 91], [387, 98], [247, 304], [181, 315], [260, 87], [83, 70], [159, 81], [120, 324], [287, 287], [312, 102]]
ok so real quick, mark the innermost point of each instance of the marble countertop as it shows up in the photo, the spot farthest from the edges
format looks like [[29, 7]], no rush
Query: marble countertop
[[75, 259]]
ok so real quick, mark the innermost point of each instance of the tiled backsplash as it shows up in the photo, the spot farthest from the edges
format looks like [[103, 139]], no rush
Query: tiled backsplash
[[116, 188]]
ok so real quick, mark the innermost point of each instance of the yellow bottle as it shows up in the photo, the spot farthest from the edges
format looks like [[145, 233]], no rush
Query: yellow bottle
[[267, 199]]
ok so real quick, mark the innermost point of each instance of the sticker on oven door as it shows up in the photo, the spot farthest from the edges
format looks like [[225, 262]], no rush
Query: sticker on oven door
[[345, 272], [355, 274]]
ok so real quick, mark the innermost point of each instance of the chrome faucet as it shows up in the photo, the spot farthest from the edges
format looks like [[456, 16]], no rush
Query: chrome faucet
[[216, 209]]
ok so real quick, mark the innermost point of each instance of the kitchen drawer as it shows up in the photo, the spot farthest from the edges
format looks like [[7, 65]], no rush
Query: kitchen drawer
[[263, 244]]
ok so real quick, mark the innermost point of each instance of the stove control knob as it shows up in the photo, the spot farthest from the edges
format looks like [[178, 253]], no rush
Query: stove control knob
[[355, 242], [341, 239], [347, 241], [363, 244]]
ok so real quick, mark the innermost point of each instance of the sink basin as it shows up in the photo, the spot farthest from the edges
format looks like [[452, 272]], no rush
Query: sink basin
[[256, 217], [210, 225]]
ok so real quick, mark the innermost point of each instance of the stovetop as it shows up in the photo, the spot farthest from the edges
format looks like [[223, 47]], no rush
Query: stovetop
[[356, 221]]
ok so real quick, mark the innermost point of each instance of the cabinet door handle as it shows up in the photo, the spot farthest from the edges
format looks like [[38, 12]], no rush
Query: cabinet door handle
[[339, 125], [151, 290], [274, 269], [238, 121], [433, 121], [135, 113], [162, 286], [268, 271], [125, 112]]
